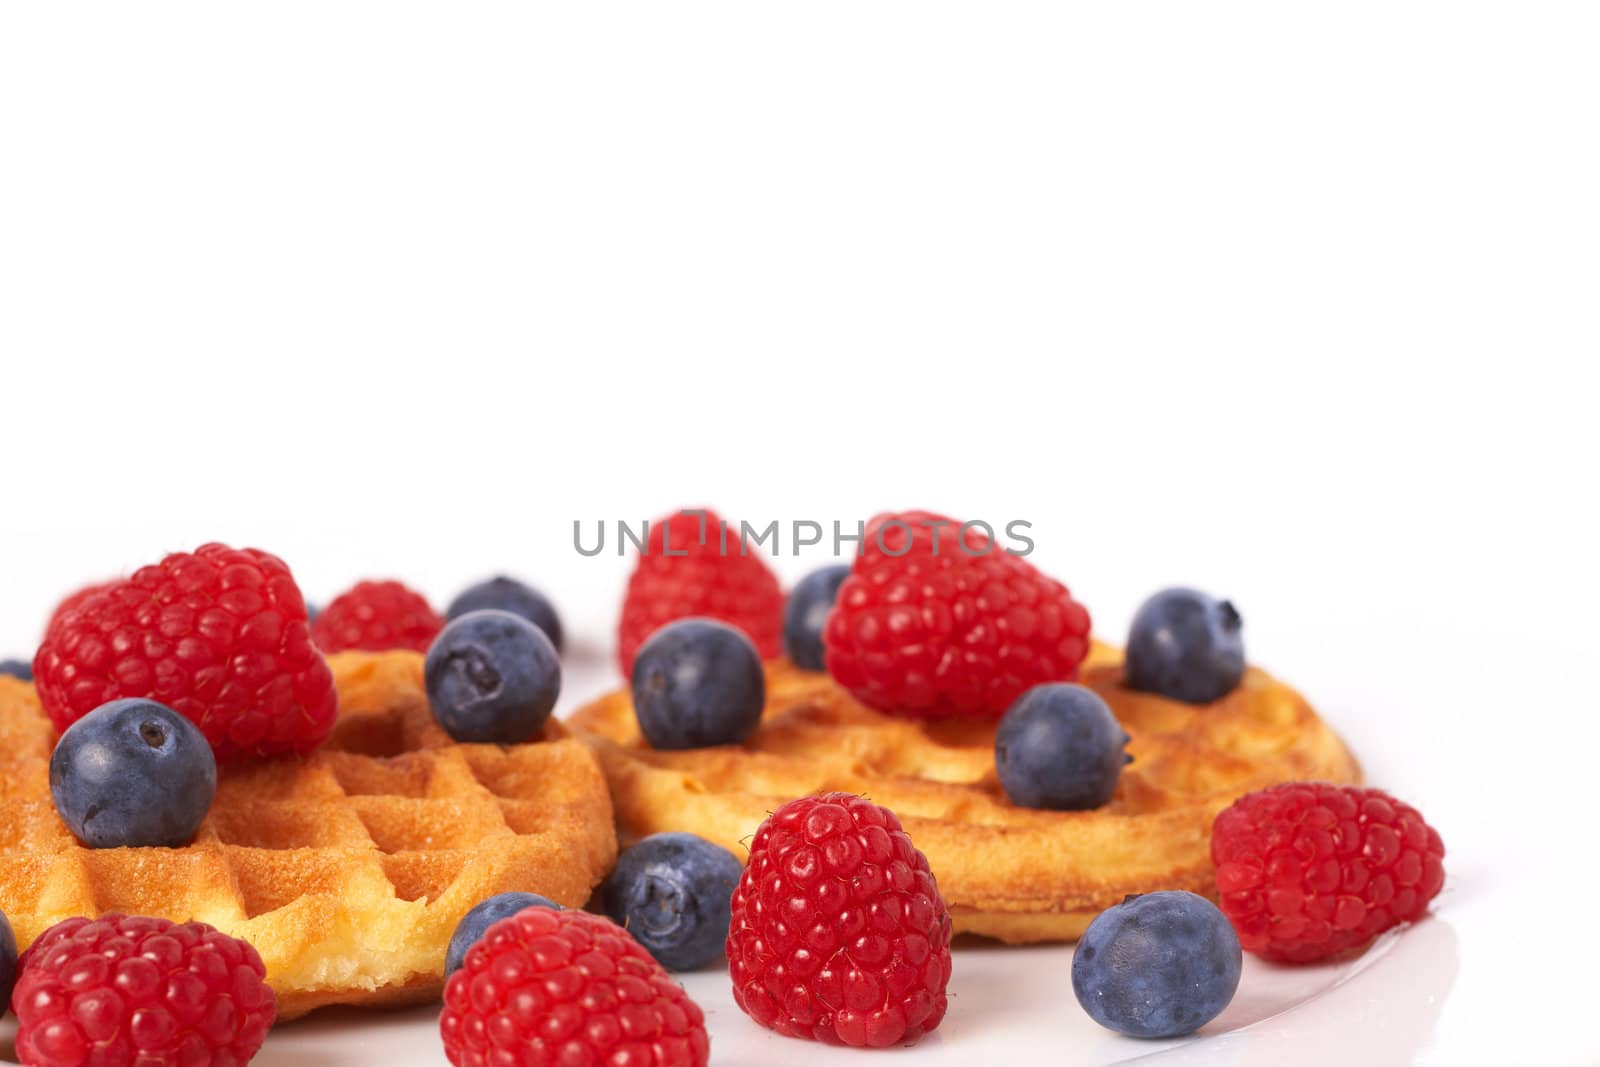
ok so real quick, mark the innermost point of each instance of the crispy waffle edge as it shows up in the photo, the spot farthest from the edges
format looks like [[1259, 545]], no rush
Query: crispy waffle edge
[[1010, 873], [349, 869]]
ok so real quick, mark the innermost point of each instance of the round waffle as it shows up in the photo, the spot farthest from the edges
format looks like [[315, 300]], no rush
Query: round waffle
[[348, 869], [1012, 873]]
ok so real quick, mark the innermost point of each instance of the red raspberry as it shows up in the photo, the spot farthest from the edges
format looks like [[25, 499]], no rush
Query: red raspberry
[[121, 990], [218, 635], [377, 616], [567, 987], [839, 933], [1307, 870], [706, 581], [72, 600], [963, 628]]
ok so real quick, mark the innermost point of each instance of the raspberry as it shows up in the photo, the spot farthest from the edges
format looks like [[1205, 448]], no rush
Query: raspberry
[[377, 616], [122, 989], [560, 987], [1307, 870], [839, 933], [705, 581], [934, 621], [218, 635], [72, 600]]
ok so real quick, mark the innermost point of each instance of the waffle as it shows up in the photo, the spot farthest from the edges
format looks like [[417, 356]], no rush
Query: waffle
[[1016, 874], [347, 870]]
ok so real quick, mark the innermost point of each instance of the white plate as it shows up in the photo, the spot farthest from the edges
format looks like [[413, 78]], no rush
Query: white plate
[[1477, 982], [1395, 1004], [1017, 1002]]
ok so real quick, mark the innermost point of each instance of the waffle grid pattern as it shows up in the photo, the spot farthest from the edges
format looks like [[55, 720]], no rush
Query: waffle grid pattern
[[348, 870], [1013, 873]]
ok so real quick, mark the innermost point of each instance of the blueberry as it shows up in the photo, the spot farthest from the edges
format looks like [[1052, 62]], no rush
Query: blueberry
[[508, 594], [133, 773], [17, 669], [806, 610], [8, 962], [483, 916], [674, 894], [492, 676], [1059, 747], [697, 683], [1187, 646], [312, 611], [1157, 965]]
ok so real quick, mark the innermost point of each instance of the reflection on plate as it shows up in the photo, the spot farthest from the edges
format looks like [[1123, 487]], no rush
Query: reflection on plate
[[1012, 1002]]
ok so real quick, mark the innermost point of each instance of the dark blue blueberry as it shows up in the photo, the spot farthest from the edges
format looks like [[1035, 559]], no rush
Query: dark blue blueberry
[[483, 916], [8, 962], [133, 773], [1187, 646], [1157, 965], [697, 683], [492, 677], [507, 594], [312, 611], [674, 894], [806, 610], [1059, 747], [17, 669]]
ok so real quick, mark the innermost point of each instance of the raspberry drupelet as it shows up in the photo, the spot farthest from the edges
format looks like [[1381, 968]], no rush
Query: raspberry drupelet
[[935, 622], [377, 616], [552, 986], [839, 933], [1308, 870], [700, 578], [123, 990], [218, 635], [76, 597]]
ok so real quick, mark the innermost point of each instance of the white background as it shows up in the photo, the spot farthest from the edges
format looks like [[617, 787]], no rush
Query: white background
[[1295, 305]]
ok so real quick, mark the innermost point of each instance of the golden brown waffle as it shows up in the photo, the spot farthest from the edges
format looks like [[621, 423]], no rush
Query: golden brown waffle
[[347, 870], [1013, 873]]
